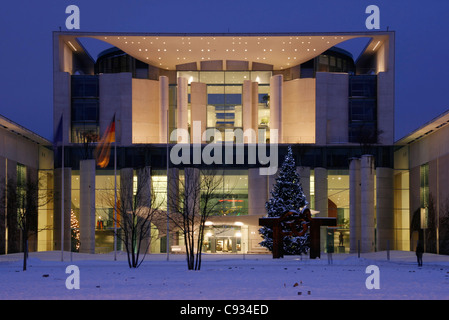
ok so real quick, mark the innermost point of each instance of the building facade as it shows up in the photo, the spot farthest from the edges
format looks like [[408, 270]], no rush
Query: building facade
[[237, 92], [422, 173], [26, 164]]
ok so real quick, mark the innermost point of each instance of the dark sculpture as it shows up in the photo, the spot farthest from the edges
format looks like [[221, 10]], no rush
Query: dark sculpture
[[293, 223]]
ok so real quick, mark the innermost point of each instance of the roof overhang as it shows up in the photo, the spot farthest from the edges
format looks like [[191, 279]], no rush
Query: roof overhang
[[281, 50], [426, 129], [23, 132]]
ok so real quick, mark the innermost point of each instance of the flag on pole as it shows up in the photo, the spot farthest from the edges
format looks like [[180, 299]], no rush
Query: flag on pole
[[103, 149]]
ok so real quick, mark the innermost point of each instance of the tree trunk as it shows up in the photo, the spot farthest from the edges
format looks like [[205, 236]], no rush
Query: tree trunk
[[25, 253]]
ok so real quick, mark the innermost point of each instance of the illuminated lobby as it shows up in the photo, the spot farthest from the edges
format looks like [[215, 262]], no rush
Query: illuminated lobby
[[334, 110]]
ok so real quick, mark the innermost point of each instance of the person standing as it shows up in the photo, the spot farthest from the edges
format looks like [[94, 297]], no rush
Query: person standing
[[419, 253]]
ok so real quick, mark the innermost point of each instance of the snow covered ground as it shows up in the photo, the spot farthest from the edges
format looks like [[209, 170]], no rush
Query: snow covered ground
[[225, 277]]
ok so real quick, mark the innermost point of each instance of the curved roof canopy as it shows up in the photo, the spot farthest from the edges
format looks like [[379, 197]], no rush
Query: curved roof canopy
[[282, 51]]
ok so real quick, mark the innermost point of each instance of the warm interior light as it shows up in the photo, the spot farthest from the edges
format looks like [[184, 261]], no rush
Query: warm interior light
[[376, 45], [73, 47]]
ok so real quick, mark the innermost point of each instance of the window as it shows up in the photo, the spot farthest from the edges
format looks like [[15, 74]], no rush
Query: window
[[362, 109], [85, 108], [224, 97], [424, 185]]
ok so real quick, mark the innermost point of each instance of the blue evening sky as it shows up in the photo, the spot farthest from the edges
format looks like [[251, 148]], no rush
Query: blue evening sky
[[422, 43]]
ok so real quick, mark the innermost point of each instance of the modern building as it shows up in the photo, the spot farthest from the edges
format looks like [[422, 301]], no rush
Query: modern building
[[275, 90], [422, 192], [26, 164]]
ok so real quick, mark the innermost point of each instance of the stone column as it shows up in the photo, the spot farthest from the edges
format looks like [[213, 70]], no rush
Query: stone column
[[87, 206], [385, 207], [354, 204], [144, 186], [367, 203], [276, 105], [255, 109], [321, 192], [67, 208], [257, 192], [182, 96], [125, 194], [192, 181], [247, 111], [198, 101], [163, 105]]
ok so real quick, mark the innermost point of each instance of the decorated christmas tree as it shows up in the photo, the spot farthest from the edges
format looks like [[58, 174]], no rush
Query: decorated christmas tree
[[287, 195], [75, 232]]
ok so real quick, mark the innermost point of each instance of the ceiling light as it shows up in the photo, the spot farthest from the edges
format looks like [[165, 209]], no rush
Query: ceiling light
[[73, 47]]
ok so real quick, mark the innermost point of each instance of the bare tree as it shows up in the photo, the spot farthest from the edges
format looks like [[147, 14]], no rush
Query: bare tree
[[23, 200], [136, 212], [191, 204]]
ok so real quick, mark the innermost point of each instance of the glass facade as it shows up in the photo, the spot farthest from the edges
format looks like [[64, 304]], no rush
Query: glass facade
[[363, 109], [224, 97], [338, 207], [402, 209], [85, 109], [332, 60], [115, 61], [45, 211], [232, 195]]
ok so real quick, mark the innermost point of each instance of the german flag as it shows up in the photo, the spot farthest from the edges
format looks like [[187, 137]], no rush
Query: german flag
[[103, 149]]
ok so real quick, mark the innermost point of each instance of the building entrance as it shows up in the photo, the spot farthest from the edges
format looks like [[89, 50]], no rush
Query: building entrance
[[223, 239]]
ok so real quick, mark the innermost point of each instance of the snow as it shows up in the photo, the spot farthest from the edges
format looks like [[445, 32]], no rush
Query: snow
[[225, 277]]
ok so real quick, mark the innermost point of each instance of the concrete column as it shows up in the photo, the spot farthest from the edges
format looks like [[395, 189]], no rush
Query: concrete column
[[144, 186], [126, 188], [163, 104], [255, 109], [367, 203], [354, 204], [192, 181], [198, 102], [304, 175], [276, 105], [87, 206], [67, 208], [257, 192], [247, 110], [321, 192], [244, 241], [182, 96], [385, 207]]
